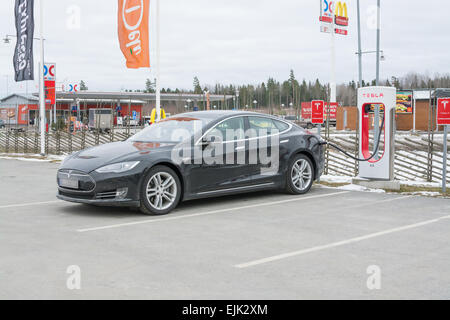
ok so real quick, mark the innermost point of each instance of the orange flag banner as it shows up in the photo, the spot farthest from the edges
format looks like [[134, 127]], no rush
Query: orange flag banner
[[133, 32]]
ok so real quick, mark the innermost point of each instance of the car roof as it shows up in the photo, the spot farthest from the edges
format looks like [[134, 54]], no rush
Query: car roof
[[220, 114]]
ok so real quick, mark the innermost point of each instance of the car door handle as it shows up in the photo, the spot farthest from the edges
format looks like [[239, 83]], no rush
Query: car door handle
[[240, 148], [284, 141]]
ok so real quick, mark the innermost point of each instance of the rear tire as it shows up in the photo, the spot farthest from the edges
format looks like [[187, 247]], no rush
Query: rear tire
[[300, 175], [160, 191]]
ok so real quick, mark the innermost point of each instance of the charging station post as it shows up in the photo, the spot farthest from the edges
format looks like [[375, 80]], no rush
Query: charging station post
[[377, 170]]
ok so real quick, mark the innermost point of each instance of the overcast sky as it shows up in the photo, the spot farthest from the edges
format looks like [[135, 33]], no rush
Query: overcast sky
[[232, 41]]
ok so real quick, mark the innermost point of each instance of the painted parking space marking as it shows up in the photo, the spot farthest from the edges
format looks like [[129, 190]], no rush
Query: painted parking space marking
[[29, 204], [337, 244], [211, 212]]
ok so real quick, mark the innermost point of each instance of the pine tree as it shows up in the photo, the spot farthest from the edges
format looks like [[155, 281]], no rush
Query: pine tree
[[149, 86], [197, 87]]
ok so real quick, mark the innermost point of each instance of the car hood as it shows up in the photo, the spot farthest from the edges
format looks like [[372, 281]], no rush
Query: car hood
[[96, 157]]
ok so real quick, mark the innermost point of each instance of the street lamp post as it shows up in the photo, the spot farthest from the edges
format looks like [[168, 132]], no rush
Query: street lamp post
[[41, 80], [376, 128], [255, 103]]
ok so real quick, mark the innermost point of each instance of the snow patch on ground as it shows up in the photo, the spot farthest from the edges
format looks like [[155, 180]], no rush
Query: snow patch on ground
[[335, 179], [426, 193], [32, 157], [354, 187]]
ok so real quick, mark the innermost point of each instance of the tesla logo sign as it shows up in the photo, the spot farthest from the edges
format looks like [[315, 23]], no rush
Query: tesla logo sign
[[317, 111], [49, 72], [443, 111], [373, 95]]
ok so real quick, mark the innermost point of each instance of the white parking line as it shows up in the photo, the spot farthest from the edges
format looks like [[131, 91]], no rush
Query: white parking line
[[28, 204], [211, 212], [337, 244]]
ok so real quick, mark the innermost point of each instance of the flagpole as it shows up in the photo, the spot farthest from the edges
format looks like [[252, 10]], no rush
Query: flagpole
[[41, 80], [158, 70]]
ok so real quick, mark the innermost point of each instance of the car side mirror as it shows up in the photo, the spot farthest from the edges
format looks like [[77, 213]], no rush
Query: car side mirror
[[211, 139]]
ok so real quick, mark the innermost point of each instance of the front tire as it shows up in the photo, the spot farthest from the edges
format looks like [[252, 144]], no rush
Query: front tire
[[300, 175], [160, 191]]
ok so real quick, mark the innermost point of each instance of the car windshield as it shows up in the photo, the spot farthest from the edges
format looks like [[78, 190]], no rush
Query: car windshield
[[174, 129]]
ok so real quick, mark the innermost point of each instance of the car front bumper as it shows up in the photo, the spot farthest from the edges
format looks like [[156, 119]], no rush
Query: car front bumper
[[97, 202], [102, 189]]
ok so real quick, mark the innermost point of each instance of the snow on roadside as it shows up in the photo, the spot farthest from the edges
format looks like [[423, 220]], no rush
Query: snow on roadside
[[354, 187], [32, 157], [336, 179]]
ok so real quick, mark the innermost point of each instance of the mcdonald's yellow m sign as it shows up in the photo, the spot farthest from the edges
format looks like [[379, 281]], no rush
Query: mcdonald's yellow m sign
[[341, 14]]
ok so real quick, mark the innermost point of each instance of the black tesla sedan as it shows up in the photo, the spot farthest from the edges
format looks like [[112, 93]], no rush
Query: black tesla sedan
[[194, 155]]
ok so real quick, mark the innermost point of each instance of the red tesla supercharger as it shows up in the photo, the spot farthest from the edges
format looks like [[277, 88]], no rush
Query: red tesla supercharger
[[381, 167]]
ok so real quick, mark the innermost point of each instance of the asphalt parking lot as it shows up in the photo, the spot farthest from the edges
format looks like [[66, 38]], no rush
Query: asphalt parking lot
[[257, 246]]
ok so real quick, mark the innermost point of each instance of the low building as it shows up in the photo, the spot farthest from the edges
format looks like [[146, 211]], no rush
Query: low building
[[21, 109], [418, 119]]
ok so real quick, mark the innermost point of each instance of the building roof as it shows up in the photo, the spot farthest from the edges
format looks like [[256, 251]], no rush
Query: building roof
[[424, 94], [29, 97], [144, 97]]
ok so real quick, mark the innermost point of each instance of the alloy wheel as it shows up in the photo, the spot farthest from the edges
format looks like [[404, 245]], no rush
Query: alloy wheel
[[301, 174], [161, 191]]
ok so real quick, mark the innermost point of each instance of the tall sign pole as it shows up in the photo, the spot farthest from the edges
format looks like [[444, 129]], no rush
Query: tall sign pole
[[41, 79], [359, 45], [333, 61], [158, 62], [334, 19], [376, 125], [444, 171]]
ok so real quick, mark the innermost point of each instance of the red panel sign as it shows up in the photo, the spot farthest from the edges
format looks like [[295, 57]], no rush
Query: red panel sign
[[306, 110], [50, 92], [341, 21], [443, 111], [326, 19], [333, 110], [341, 31], [317, 111]]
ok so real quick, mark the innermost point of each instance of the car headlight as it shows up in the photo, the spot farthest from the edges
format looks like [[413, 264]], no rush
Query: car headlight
[[118, 167]]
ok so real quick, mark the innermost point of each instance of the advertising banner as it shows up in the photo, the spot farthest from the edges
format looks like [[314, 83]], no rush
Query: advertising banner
[[50, 92], [133, 32], [337, 10], [23, 53], [404, 102], [333, 110], [306, 110]]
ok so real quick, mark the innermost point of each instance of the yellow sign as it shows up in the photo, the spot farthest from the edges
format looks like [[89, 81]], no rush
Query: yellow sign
[[153, 116], [341, 9]]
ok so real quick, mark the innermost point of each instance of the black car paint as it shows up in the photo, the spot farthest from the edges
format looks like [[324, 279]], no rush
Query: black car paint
[[197, 179]]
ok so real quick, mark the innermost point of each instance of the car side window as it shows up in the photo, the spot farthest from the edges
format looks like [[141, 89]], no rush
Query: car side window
[[229, 130], [282, 126], [263, 126]]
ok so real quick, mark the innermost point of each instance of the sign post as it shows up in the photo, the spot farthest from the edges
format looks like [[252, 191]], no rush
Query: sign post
[[317, 110], [334, 20], [443, 118]]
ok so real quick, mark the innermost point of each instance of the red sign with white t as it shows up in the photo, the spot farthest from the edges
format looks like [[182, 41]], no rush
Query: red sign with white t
[[443, 111], [317, 107]]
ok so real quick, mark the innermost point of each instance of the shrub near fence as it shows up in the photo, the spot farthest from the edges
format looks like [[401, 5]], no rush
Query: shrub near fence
[[411, 158]]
